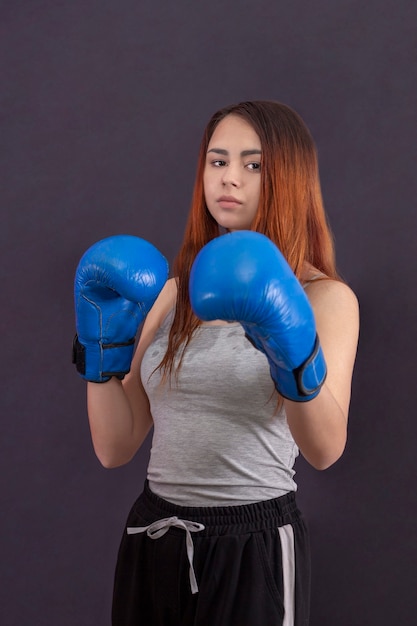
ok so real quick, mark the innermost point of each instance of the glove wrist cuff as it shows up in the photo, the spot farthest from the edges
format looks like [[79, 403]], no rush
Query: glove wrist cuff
[[99, 362], [311, 375], [304, 382]]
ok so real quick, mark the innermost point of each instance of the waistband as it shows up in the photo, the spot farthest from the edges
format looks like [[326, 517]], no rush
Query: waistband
[[266, 514]]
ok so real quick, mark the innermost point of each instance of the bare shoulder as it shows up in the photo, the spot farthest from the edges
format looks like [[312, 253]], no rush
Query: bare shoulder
[[336, 311], [162, 306], [332, 296]]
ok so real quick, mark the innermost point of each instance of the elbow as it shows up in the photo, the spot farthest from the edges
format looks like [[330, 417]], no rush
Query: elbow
[[323, 460], [324, 464], [109, 463], [110, 460]]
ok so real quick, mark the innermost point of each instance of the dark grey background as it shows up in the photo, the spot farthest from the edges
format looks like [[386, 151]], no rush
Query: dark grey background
[[103, 106]]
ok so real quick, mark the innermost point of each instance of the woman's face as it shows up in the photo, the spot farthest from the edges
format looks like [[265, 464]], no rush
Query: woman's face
[[232, 174]]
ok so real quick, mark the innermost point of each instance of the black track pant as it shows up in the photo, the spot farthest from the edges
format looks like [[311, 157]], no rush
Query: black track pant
[[213, 566]]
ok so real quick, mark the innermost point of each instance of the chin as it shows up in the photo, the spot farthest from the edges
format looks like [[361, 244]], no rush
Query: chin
[[230, 226]]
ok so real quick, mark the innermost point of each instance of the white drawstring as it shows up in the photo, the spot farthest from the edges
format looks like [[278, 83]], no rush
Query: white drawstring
[[160, 527]]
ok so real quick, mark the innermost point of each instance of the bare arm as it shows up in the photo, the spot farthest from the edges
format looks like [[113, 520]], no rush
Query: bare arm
[[118, 411], [319, 427]]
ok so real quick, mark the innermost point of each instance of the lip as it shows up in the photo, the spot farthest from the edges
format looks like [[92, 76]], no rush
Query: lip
[[228, 202], [229, 199]]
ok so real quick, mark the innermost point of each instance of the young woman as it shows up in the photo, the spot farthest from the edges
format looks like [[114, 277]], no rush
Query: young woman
[[245, 358]]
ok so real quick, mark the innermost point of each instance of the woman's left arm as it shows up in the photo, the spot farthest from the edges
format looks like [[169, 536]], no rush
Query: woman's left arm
[[319, 427]]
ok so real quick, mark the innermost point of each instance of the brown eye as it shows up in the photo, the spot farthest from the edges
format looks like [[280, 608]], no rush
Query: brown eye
[[254, 166]]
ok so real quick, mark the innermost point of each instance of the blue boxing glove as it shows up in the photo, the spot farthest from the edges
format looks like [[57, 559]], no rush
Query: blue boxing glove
[[242, 276], [116, 283]]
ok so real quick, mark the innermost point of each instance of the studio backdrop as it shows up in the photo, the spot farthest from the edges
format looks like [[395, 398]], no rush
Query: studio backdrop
[[103, 107]]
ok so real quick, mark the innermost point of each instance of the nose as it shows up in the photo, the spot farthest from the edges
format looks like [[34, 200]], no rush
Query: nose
[[232, 175]]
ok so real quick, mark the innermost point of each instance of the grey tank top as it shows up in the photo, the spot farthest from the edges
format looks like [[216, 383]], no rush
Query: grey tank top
[[218, 439]]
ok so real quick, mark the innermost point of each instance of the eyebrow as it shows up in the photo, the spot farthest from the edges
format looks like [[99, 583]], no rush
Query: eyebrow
[[225, 152]]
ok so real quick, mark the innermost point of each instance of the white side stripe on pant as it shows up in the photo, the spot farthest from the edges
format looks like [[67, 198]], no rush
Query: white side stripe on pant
[[286, 534]]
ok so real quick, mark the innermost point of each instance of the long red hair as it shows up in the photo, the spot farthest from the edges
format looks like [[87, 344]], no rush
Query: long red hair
[[290, 212]]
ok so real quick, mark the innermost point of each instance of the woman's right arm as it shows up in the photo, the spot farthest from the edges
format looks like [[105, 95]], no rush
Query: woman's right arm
[[119, 411]]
